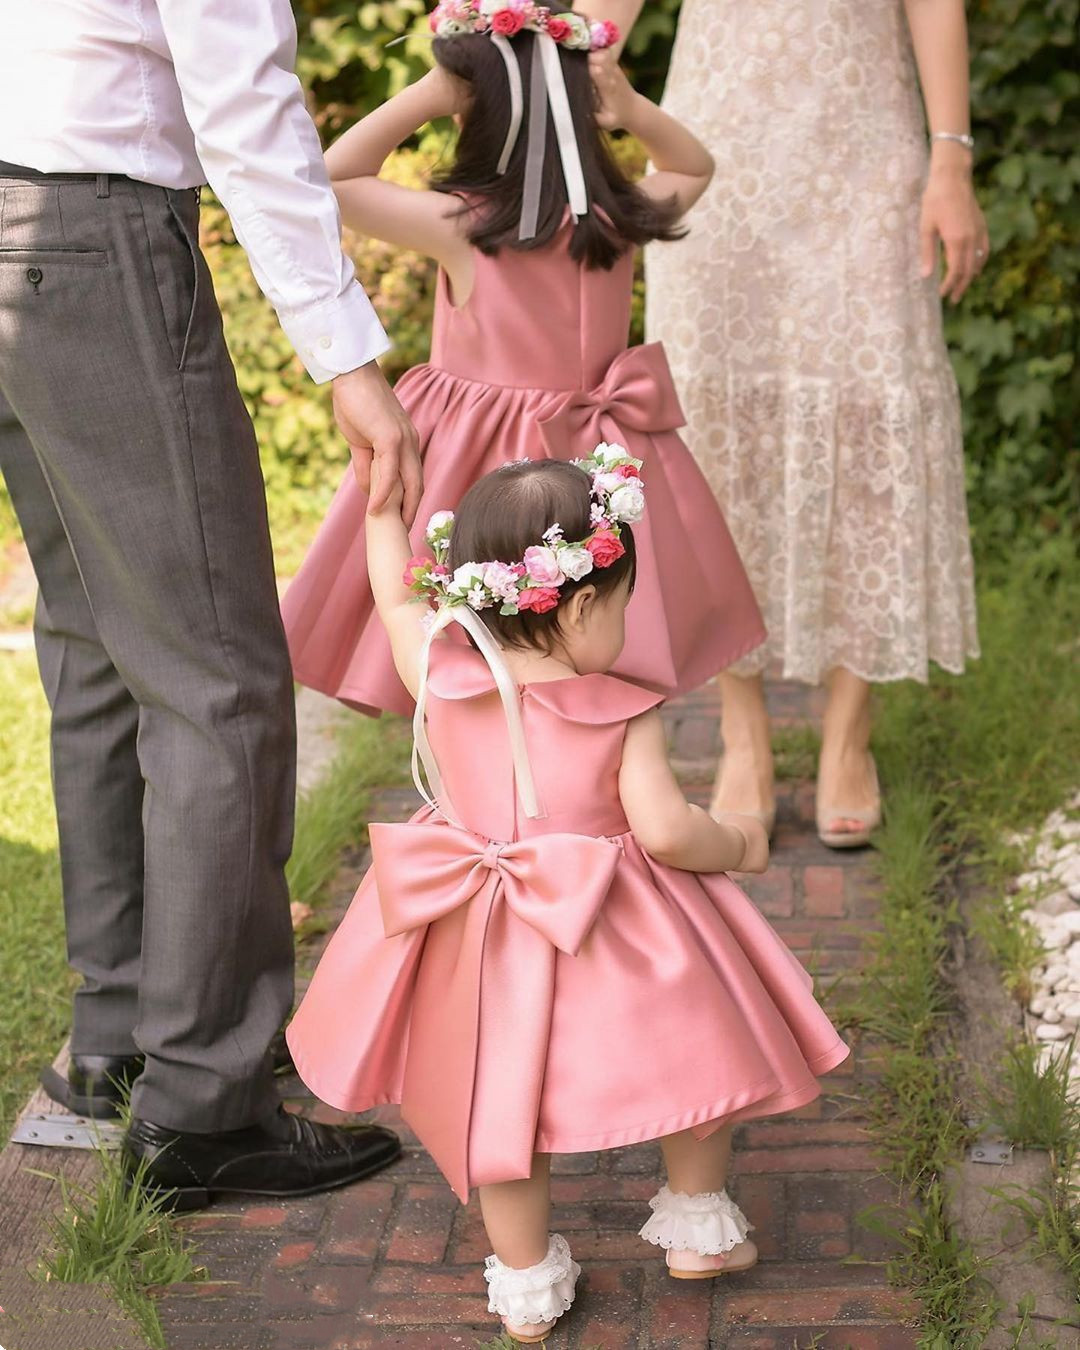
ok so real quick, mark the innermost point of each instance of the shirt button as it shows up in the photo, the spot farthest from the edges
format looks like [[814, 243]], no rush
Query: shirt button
[[325, 342]]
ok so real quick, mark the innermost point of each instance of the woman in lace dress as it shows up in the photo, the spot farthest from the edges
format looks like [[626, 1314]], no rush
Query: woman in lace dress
[[802, 318]]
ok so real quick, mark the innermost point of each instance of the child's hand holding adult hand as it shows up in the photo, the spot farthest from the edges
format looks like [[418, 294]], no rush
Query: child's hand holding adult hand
[[615, 95], [756, 853], [392, 499]]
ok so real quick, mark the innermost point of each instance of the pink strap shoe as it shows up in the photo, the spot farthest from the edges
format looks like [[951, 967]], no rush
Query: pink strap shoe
[[530, 1301], [704, 1235]]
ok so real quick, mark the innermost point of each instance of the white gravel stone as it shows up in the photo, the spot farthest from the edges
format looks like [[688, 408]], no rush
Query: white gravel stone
[[1059, 902], [1071, 1010], [1046, 1032], [1052, 1014], [1038, 1005], [1053, 973]]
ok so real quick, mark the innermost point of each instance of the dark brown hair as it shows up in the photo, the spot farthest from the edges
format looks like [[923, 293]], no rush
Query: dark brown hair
[[620, 215], [507, 512]]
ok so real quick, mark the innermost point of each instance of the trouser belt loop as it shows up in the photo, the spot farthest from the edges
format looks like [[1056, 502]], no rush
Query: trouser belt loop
[[103, 185]]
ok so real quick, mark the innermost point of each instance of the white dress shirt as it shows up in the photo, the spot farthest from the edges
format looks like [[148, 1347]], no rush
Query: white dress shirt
[[182, 92]]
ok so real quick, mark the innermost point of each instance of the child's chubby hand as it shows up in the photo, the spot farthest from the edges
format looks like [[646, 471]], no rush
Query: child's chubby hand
[[396, 498], [756, 856], [615, 96]]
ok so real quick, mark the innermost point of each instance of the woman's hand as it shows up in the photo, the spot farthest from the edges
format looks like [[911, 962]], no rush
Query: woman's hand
[[951, 213], [615, 95]]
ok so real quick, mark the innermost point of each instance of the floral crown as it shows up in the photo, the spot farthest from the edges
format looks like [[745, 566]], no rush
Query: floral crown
[[532, 585], [455, 18]]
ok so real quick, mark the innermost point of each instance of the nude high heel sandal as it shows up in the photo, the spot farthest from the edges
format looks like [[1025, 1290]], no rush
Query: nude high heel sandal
[[704, 1235], [866, 820], [530, 1301], [766, 819]]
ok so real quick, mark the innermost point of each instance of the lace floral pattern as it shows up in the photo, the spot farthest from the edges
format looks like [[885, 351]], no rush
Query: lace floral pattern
[[807, 350], [539, 1293], [710, 1223]]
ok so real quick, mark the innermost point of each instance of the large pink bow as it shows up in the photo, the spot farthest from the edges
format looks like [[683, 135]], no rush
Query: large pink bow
[[481, 1012], [637, 392]]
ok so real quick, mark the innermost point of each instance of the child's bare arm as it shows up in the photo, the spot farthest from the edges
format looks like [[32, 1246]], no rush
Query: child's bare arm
[[666, 825], [388, 553], [682, 167], [408, 217]]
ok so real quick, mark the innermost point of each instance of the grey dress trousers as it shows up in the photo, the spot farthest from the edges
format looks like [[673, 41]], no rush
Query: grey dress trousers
[[133, 467]]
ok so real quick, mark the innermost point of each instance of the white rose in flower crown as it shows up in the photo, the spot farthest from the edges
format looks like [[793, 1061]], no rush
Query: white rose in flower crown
[[609, 453], [437, 523], [450, 28], [607, 482], [628, 502], [488, 7], [580, 38], [576, 562], [467, 576]]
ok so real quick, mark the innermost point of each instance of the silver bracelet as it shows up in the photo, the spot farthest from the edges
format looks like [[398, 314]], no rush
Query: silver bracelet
[[960, 137]]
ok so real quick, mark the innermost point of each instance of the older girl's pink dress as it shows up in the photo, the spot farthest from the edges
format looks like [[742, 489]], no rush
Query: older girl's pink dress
[[524, 985], [535, 365]]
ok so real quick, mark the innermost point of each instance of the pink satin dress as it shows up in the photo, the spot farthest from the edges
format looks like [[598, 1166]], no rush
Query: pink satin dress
[[535, 365], [543, 985]]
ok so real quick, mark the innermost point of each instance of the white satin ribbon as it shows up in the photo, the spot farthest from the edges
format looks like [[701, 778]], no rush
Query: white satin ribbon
[[517, 100], [547, 88], [508, 692]]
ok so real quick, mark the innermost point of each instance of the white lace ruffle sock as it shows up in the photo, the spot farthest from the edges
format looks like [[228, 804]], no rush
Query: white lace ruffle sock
[[538, 1293], [710, 1223]]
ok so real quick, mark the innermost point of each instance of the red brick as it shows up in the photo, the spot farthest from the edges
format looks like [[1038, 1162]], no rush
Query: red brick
[[810, 1158], [292, 1293], [615, 1334], [421, 1228], [294, 1254], [816, 1307], [821, 1222], [264, 1216], [823, 890], [836, 1338], [785, 1130], [679, 1317], [357, 1216], [773, 893], [438, 1310]]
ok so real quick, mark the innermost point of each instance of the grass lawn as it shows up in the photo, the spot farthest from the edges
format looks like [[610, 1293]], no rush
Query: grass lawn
[[35, 984]]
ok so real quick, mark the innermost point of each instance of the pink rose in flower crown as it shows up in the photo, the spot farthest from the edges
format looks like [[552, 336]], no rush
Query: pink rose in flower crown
[[538, 599], [542, 566], [627, 471], [507, 22], [605, 547], [558, 29], [502, 579], [415, 570]]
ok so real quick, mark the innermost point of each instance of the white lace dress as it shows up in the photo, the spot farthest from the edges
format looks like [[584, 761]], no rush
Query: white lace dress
[[807, 350]]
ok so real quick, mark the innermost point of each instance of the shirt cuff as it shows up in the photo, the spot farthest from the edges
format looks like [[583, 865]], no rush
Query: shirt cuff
[[332, 339]]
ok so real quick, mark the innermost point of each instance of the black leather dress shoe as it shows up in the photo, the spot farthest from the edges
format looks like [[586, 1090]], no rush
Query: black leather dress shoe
[[285, 1155], [95, 1085]]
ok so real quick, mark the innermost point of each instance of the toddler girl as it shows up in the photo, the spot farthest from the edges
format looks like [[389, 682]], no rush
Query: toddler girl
[[550, 958], [534, 227]]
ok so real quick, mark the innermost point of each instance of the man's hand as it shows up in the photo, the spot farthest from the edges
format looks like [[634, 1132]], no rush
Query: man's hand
[[376, 426]]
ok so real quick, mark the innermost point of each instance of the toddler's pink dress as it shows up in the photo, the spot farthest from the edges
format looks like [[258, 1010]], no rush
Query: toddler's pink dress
[[524, 985], [535, 364]]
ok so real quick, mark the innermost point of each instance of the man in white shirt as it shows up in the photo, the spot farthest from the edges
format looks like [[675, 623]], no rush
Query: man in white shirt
[[132, 465]]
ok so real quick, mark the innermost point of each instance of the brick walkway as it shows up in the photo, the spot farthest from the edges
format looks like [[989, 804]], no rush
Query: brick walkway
[[396, 1261]]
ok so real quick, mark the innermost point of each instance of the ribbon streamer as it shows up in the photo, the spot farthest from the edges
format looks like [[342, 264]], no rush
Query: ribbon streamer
[[517, 100], [547, 88], [422, 753]]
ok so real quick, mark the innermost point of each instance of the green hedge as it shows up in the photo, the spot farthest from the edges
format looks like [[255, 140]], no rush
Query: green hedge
[[1013, 339]]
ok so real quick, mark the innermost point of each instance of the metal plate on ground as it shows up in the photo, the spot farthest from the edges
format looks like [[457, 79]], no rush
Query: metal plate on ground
[[61, 1130], [996, 1151]]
